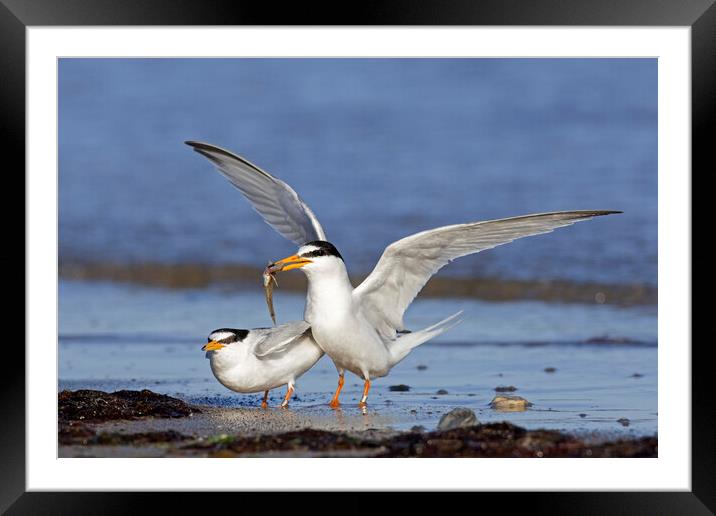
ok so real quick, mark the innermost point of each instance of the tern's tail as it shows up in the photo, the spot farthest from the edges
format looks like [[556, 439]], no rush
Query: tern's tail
[[400, 348]]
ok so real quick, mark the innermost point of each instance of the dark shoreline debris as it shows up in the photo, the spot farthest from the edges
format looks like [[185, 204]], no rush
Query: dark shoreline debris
[[76, 409], [98, 406], [490, 440]]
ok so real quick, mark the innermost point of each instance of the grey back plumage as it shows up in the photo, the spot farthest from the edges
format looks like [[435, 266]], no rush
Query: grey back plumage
[[276, 340]]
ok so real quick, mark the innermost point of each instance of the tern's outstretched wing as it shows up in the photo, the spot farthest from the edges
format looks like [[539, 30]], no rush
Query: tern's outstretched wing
[[280, 338], [278, 204], [406, 265]]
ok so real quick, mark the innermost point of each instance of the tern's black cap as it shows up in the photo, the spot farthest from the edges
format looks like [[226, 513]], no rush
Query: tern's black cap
[[324, 249]]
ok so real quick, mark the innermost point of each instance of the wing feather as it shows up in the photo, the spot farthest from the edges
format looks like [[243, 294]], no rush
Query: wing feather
[[279, 339], [407, 265], [277, 203]]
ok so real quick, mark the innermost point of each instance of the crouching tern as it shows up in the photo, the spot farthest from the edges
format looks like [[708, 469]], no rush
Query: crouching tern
[[362, 328], [262, 359]]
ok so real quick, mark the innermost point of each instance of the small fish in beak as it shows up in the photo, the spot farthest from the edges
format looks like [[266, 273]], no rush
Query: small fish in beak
[[269, 282], [269, 275]]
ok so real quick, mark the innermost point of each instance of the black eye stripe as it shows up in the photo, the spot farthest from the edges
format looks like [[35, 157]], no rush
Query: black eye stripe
[[317, 252]]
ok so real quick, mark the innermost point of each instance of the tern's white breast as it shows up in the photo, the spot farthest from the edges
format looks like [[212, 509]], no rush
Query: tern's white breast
[[339, 328]]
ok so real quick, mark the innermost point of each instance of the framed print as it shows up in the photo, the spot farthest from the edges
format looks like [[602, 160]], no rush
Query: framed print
[[553, 142]]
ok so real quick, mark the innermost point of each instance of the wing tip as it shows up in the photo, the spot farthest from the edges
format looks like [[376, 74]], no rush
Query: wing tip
[[214, 153], [195, 144], [584, 214], [599, 213], [206, 149]]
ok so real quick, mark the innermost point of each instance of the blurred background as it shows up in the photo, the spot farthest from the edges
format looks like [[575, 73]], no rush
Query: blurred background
[[380, 149]]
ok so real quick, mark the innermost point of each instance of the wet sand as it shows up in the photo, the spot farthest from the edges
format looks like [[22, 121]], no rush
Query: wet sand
[[168, 427], [582, 368]]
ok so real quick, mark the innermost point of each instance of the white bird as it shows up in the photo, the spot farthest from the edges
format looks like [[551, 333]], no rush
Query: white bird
[[361, 328], [262, 359]]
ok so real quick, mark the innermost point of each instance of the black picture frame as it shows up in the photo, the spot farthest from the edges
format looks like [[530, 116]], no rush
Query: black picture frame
[[17, 15]]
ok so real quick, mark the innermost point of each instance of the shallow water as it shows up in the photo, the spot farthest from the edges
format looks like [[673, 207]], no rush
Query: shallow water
[[115, 337], [379, 148]]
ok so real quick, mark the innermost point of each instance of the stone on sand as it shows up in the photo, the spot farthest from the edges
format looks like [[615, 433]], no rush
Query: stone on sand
[[458, 418], [510, 403]]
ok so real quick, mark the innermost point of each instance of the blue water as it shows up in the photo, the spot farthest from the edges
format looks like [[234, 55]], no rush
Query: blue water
[[379, 148], [123, 337]]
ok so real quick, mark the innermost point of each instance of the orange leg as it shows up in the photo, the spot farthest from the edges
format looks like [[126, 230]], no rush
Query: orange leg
[[366, 388], [289, 391], [264, 402], [334, 401]]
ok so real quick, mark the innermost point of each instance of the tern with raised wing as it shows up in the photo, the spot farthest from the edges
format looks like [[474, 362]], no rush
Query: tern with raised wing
[[362, 328]]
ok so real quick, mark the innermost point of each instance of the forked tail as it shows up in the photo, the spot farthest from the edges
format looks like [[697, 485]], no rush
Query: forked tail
[[400, 348]]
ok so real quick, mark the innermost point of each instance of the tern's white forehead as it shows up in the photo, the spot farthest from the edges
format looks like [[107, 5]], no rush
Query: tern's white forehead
[[228, 335], [308, 248], [220, 335]]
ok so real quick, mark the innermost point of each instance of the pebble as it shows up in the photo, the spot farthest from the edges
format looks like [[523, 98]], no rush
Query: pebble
[[399, 388], [458, 418], [505, 388], [510, 403]]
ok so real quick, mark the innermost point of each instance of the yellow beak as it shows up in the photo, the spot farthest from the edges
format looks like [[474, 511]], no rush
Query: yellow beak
[[291, 262], [212, 346]]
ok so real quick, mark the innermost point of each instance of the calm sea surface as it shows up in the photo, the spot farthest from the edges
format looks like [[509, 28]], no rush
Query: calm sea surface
[[379, 148]]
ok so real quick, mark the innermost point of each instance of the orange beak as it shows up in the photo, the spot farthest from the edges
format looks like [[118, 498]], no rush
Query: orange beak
[[212, 346], [291, 262]]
